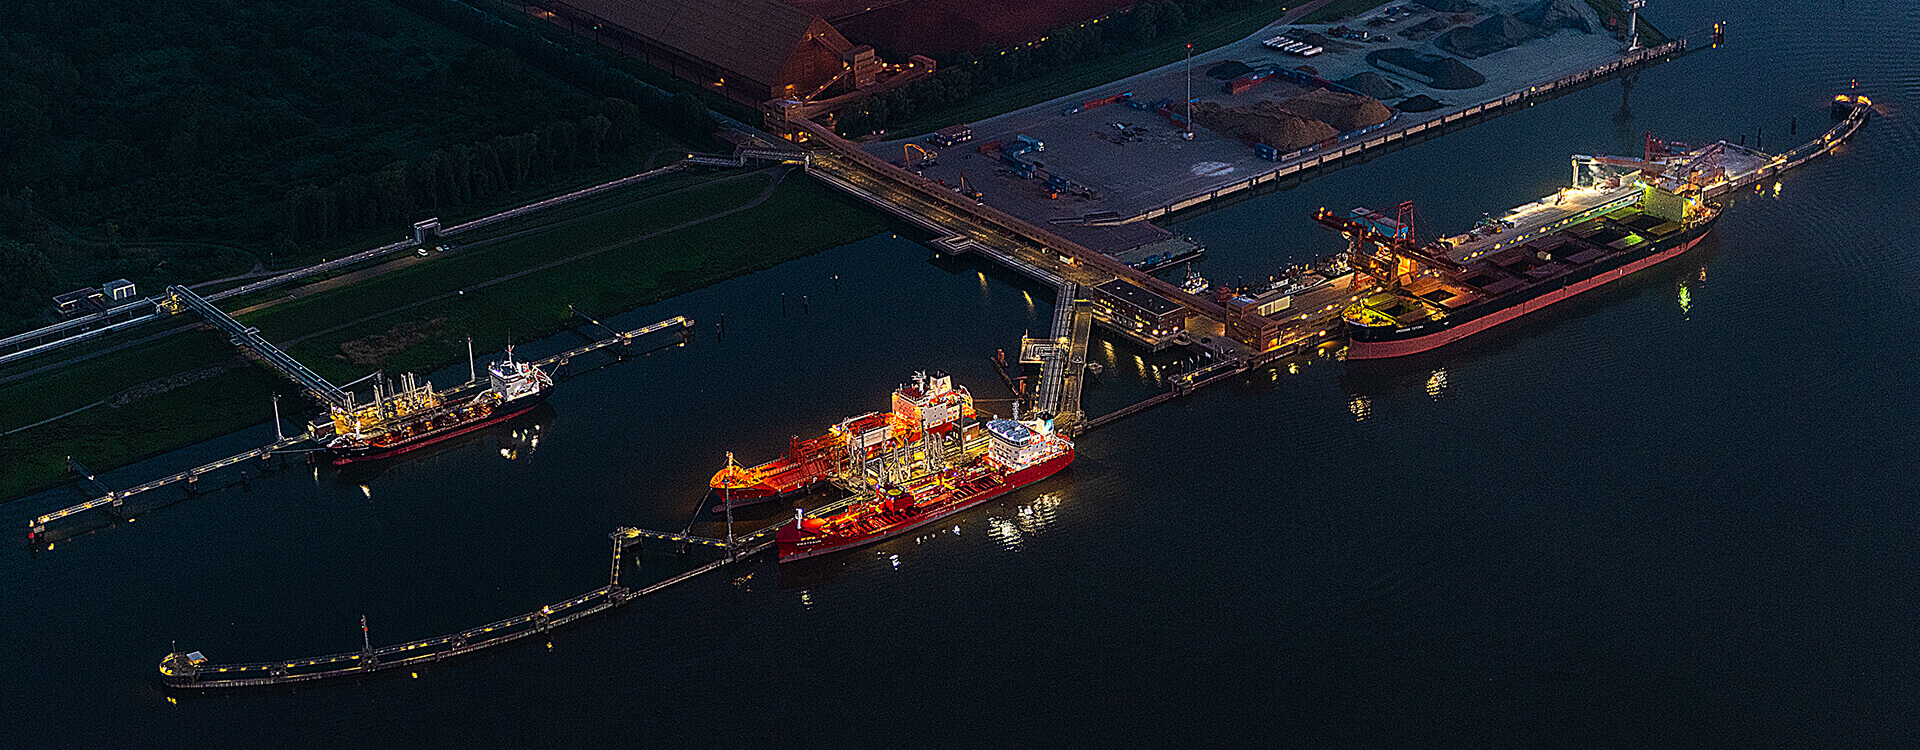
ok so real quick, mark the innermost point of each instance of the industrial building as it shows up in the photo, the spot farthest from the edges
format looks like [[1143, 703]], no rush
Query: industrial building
[[754, 51]]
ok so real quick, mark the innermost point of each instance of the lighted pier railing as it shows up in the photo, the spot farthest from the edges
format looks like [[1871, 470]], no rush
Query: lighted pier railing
[[618, 338], [115, 498], [1856, 116], [177, 672]]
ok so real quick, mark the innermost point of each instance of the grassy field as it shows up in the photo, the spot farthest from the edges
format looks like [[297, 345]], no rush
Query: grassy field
[[1226, 29], [627, 275]]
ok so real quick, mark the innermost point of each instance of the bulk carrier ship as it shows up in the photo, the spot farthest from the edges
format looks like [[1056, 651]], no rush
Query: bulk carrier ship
[[415, 415], [1426, 299], [1622, 215]]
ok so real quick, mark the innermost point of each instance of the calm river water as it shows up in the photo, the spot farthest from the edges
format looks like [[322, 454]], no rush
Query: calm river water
[[1680, 512]]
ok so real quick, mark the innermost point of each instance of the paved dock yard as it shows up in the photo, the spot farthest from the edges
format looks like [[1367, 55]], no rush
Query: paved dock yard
[[1159, 173]]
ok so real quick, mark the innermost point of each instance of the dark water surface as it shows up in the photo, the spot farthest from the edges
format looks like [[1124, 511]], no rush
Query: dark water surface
[[1679, 512]]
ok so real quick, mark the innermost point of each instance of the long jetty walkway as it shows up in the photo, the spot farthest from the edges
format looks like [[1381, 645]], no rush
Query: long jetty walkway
[[314, 433], [190, 670]]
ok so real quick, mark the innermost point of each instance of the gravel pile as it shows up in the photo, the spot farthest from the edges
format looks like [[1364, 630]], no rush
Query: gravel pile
[[1229, 70], [1418, 103], [1438, 71], [1496, 33], [1552, 15], [1372, 84], [1342, 111]]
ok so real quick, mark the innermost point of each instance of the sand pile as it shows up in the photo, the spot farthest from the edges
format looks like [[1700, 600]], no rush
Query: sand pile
[[1496, 33], [1438, 71], [1552, 15], [1342, 111], [1418, 103], [1265, 121], [1372, 84]]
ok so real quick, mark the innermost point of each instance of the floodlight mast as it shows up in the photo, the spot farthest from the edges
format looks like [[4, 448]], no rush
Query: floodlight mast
[[1633, 23], [1187, 131]]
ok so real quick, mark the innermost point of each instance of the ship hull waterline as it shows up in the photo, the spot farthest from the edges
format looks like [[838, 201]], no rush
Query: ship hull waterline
[[1359, 349], [790, 551], [342, 457]]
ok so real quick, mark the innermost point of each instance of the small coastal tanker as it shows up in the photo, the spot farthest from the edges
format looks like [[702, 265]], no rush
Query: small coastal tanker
[[415, 415]]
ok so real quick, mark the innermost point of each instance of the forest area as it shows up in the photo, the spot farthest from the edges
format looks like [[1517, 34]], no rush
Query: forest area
[[166, 141]]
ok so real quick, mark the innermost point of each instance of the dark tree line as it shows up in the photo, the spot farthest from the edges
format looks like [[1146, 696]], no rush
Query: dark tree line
[[163, 140], [962, 77], [456, 176]]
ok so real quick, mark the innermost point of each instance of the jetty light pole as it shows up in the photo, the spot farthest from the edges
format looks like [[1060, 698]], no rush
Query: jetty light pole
[[1633, 23]]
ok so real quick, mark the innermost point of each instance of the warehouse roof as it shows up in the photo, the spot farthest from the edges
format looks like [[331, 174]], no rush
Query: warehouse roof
[[752, 37]]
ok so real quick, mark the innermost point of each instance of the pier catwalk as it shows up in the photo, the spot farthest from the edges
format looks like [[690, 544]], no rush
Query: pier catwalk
[[249, 337], [844, 165]]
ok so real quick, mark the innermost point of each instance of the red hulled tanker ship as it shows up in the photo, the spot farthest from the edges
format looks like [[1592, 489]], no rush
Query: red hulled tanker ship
[[1622, 215], [931, 406], [1435, 294], [1019, 453]]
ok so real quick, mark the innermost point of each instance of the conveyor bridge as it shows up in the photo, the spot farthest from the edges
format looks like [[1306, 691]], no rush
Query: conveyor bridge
[[250, 338]]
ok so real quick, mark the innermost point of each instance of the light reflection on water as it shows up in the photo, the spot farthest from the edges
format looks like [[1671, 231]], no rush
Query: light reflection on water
[[1437, 383], [1027, 520], [1361, 406]]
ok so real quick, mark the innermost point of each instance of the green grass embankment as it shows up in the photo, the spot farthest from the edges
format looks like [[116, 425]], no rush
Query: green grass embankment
[[799, 218]]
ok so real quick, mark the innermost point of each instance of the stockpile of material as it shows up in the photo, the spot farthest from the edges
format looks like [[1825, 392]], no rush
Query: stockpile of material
[[1342, 111], [1418, 103], [1229, 70], [1424, 29], [1266, 121], [1372, 84], [1552, 15], [1496, 33], [1438, 71]]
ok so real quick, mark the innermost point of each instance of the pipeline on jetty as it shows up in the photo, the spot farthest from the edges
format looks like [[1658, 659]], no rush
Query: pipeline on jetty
[[192, 670]]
